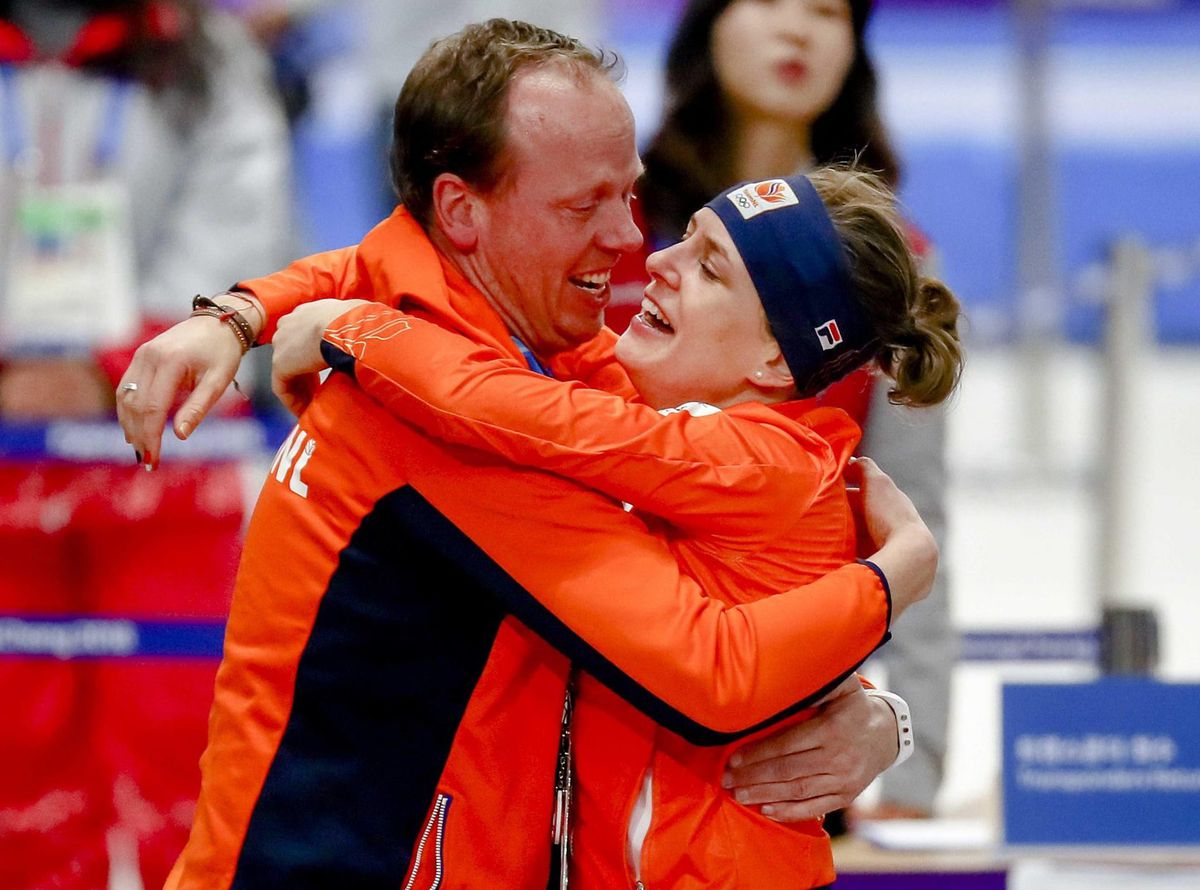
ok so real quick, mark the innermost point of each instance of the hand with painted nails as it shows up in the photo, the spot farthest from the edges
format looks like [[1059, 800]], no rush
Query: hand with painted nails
[[199, 356]]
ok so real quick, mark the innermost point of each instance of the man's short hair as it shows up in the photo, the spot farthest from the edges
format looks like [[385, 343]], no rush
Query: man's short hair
[[451, 113]]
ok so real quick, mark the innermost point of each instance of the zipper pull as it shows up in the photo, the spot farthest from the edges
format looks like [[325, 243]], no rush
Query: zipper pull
[[558, 825], [564, 852], [560, 828]]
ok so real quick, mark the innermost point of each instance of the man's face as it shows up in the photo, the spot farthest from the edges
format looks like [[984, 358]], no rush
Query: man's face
[[552, 229]]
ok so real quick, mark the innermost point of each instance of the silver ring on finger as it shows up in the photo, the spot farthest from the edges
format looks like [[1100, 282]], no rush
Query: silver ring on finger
[[129, 387]]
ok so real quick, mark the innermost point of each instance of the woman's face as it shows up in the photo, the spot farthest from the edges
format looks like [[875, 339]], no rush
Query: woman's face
[[783, 59], [702, 333]]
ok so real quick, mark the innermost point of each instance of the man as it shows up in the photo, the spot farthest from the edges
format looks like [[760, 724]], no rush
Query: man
[[385, 714]]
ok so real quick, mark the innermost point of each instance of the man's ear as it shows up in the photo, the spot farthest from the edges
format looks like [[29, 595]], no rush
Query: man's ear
[[456, 211], [772, 374]]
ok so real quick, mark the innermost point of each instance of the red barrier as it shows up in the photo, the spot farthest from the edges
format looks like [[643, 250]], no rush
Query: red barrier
[[92, 744]]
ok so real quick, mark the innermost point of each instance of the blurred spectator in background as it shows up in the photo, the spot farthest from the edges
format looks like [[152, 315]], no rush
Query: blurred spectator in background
[[145, 159], [135, 109], [763, 89], [280, 26]]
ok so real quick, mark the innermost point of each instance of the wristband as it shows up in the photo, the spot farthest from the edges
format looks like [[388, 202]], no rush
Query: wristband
[[904, 730], [237, 322]]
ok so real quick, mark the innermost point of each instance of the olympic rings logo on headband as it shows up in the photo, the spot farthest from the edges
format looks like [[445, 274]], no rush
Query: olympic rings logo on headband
[[759, 197]]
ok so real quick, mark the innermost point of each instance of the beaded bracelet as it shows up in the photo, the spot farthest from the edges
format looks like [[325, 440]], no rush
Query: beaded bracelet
[[237, 322]]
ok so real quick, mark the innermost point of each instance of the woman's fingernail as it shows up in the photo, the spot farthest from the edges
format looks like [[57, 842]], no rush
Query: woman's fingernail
[[185, 429], [727, 780], [767, 810], [740, 796], [736, 759]]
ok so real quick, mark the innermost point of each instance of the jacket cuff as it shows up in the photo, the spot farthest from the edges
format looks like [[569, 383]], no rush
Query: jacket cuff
[[887, 591]]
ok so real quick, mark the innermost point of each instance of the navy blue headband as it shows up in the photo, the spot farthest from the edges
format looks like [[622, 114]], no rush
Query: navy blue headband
[[797, 263]]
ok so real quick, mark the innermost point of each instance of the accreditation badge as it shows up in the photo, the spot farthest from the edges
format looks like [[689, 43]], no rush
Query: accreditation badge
[[69, 272]]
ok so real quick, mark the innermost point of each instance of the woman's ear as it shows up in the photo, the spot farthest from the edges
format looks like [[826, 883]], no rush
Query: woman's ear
[[772, 374], [456, 211]]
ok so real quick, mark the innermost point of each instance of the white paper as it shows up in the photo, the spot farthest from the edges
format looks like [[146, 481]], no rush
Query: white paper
[[928, 834]]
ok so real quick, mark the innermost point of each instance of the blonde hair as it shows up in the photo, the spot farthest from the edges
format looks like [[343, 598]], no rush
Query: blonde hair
[[915, 317]]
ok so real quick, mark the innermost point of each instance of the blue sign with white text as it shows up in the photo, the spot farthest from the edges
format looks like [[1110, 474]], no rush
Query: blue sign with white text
[[1111, 762]]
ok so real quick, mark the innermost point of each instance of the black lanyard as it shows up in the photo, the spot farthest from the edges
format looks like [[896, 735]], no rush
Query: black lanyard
[[560, 828]]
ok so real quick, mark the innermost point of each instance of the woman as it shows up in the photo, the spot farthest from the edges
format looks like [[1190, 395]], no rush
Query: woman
[[806, 95], [778, 289]]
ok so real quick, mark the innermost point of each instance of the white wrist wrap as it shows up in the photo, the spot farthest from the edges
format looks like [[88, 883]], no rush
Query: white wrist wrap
[[904, 729]]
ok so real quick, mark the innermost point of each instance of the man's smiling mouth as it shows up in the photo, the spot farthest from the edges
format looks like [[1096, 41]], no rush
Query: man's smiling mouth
[[592, 281]]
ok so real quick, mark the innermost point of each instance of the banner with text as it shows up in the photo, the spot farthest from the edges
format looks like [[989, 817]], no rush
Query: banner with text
[[1116, 761]]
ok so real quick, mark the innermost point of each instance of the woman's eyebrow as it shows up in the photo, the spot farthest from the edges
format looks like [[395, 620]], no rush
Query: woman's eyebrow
[[715, 248]]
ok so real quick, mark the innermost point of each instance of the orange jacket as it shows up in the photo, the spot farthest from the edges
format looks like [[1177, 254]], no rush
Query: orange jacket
[[387, 711], [743, 535]]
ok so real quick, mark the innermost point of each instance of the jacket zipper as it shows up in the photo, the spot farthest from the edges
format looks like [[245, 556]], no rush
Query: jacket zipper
[[435, 827]]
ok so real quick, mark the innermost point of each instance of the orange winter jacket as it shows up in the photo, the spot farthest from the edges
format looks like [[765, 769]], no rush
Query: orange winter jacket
[[742, 536], [387, 710]]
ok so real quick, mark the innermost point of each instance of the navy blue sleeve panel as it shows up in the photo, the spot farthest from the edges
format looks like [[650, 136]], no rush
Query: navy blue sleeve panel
[[336, 359], [441, 536], [380, 690]]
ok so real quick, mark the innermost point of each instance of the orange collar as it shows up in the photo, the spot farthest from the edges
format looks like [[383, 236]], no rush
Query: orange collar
[[401, 260]]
